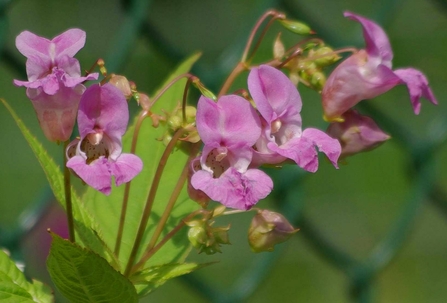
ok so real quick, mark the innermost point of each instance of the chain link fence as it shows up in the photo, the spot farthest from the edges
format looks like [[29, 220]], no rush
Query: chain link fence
[[393, 187]]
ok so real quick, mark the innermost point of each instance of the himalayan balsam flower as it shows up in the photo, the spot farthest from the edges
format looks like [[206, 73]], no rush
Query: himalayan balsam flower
[[279, 104], [356, 133], [229, 129], [102, 120], [367, 74], [54, 79]]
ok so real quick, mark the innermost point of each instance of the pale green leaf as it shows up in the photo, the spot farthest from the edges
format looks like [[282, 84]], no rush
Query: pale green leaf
[[14, 287], [84, 277], [149, 279], [107, 209], [87, 230], [12, 293]]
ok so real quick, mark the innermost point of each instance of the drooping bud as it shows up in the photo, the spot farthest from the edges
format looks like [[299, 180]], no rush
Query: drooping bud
[[123, 84], [267, 229], [357, 133], [297, 27]]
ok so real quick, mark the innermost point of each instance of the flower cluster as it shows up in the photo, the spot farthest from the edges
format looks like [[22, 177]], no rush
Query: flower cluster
[[238, 139]]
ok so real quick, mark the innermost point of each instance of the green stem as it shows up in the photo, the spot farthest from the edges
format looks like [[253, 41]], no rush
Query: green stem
[[239, 68], [173, 198], [150, 199], [149, 253], [67, 190], [119, 235], [254, 30]]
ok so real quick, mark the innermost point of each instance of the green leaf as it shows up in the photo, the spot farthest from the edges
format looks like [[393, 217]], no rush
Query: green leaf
[[83, 276], [107, 209], [88, 231], [15, 288], [149, 279]]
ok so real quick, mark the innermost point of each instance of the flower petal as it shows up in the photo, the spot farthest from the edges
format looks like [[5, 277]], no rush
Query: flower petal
[[95, 174], [302, 150], [126, 167], [417, 85], [104, 107], [354, 80], [234, 189], [274, 94], [69, 42], [31, 45], [231, 122], [377, 43]]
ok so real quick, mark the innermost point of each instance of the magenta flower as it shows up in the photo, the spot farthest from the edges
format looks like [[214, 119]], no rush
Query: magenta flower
[[367, 74], [228, 129], [102, 120], [279, 103], [54, 79], [356, 133]]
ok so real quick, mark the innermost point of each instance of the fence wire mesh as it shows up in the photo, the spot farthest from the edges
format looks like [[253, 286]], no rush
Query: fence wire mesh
[[413, 160]]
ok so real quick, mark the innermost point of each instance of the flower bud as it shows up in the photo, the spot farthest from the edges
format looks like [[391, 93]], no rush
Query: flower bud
[[123, 84], [357, 133], [268, 229], [322, 60], [190, 113], [317, 80], [205, 91], [296, 27], [197, 234], [206, 238], [174, 122]]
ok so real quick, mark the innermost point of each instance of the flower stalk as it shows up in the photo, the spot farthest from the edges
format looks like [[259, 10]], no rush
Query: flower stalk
[[150, 199], [68, 203]]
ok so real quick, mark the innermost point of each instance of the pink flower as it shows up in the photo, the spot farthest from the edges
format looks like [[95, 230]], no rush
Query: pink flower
[[356, 133], [279, 104], [228, 129], [367, 74], [102, 121], [54, 79]]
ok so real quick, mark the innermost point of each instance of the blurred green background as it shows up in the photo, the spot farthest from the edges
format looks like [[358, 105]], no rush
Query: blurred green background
[[352, 208]]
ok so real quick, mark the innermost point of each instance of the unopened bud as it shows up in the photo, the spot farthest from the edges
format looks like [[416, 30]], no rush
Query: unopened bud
[[206, 238], [197, 234], [190, 113], [297, 27], [356, 133], [167, 137], [267, 229], [205, 91], [174, 122], [123, 84], [325, 56], [317, 80]]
